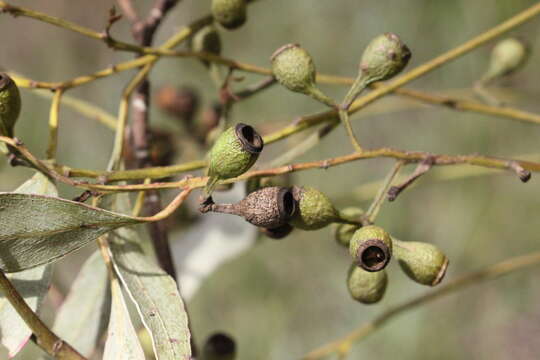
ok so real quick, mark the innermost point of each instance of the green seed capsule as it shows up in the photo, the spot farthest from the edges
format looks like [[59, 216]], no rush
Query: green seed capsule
[[315, 210], [371, 248], [366, 287], [506, 57], [422, 262], [231, 14], [219, 346], [233, 153], [269, 207], [10, 105], [384, 57], [206, 40], [344, 232], [294, 69]]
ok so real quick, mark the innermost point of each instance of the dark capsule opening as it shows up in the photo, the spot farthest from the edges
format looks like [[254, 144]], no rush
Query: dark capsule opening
[[373, 255], [219, 344], [286, 203], [251, 141], [4, 80]]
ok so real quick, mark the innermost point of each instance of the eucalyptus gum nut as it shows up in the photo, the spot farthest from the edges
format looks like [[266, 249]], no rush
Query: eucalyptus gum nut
[[344, 232], [234, 152], [268, 207], [293, 68], [206, 40], [366, 287], [10, 105], [384, 57], [314, 209], [422, 262], [371, 248], [219, 346], [231, 14], [277, 233], [506, 57]]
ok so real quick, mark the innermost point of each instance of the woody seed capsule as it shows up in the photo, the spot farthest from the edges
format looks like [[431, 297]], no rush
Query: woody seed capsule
[[10, 105], [231, 14], [315, 210], [366, 287], [422, 262], [506, 57], [371, 248]]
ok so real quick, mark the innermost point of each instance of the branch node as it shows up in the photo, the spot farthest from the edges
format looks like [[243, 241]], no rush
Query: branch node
[[420, 170]]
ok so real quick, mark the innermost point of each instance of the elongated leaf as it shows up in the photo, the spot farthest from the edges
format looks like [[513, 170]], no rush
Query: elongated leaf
[[122, 341], [155, 295], [32, 284], [83, 317], [36, 230]]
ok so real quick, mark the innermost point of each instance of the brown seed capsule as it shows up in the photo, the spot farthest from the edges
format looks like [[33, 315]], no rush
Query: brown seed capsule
[[371, 248], [181, 103], [422, 262], [366, 287], [278, 232], [269, 207], [219, 346]]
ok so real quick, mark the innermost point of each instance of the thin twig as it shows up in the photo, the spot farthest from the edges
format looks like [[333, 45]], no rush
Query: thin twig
[[505, 267], [53, 124], [420, 170], [375, 206], [45, 338]]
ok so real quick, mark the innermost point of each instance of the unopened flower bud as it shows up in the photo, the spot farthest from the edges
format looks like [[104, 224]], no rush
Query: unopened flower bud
[[233, 153], [219, 346], [315, 210], [269, 207], [506, 57], [231, 14], [384, 57], [344, 232], [366, 287], [371, 248], [181, 103], [10, 105], [422, 262], [278, 232], [294, 69]]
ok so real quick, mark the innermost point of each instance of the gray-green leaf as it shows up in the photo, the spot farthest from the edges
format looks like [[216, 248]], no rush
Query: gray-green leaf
[[155, 295], [83, 317], [36, 230], [32, 284], [122, 341]]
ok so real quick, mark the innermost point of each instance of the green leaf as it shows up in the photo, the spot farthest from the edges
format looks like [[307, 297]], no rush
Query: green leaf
[[122, 341], [83, 317], [32, 284], [155, 295], [36, 230]]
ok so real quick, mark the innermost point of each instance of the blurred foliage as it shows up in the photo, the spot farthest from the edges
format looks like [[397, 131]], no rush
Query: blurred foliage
[[282, 298]]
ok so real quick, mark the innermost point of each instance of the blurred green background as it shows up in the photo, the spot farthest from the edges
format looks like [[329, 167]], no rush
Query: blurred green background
[[282, 299]]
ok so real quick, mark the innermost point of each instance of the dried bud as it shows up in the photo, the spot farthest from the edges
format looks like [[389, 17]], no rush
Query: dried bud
[[371, 248], [506, 57], [293, 68], [344, 232], [269, 207], [219, 346], [384, 57], [181, 103], [233, 153], [206, 40], [366, 287], [278, 232], [10, 105], [231, 14], [422, 262], [315, 210]]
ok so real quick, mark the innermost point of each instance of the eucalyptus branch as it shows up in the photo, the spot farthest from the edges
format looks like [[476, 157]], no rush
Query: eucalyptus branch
[[53, 124], [45, 338], [343, 345]]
